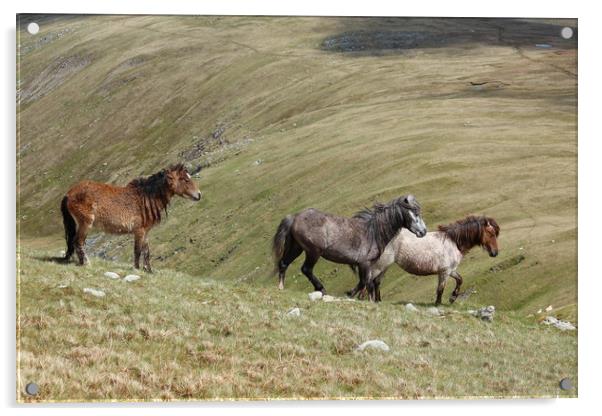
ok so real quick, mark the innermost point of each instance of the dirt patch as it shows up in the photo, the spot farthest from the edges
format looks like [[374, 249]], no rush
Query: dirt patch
[[506, 264], [380, 35], [53, 76], [204, 145], [381, 40]]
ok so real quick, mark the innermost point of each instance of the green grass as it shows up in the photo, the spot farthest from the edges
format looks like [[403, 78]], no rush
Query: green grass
[[173, 336], [334, 131]]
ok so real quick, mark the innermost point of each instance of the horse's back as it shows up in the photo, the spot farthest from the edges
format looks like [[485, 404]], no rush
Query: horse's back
[[427, 255], [110, 207]]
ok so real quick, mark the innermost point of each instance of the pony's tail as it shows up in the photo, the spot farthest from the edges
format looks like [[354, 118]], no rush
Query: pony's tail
[[70, 226], [282, 239]]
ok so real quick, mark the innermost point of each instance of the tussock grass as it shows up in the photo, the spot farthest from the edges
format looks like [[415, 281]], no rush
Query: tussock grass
[[173, 336]]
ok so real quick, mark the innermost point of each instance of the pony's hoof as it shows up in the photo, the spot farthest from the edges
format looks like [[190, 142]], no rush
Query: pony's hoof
[[452, 299]]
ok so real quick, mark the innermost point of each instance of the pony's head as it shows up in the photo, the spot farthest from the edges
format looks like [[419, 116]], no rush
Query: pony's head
[[489, 234], [180, 183], [473, 231], [411, 215]]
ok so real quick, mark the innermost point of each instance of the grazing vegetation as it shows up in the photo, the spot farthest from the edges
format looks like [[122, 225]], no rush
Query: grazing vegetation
[[473, 116], [174, 336]]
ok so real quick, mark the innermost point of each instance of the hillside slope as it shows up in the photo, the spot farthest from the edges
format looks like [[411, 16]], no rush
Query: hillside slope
[[172, 336], [333, 113]]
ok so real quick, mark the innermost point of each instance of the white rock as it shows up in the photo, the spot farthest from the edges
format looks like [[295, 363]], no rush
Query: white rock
[[486, 313], [549, 308], [373, 344], [294, 312], [317, 295], [63, 286], [411, 308], [131, 278], [433, 311], [112, 275], [562, 325], [94, 292], [539, 311], [328, 298]]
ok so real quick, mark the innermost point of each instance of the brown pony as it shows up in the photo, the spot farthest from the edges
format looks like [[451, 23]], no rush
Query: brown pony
[[133, 209]]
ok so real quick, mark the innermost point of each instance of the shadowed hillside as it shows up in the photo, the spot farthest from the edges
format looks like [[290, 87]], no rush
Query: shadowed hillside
[[279, 114]]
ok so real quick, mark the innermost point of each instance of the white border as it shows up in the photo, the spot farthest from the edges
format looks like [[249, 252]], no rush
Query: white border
[[589, 195]]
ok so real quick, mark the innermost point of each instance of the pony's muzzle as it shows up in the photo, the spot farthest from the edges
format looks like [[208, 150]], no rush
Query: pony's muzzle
[[493, 253], [197, 196]]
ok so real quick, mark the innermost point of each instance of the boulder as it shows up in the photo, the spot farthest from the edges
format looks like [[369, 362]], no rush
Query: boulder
[[94, 292], [486, 313], [131, 278], [411, 308], [562, 325], [317, 295], [112, 275], [373, 344], [294, 312]]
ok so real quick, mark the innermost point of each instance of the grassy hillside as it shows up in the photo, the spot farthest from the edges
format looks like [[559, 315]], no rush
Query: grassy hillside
[[173, 336], [333, 113]]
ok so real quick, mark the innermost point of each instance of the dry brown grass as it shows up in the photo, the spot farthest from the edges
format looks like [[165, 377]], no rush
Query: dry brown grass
[[170, 336]]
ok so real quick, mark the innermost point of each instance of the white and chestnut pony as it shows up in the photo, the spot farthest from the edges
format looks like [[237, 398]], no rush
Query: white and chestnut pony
[[438, 253]]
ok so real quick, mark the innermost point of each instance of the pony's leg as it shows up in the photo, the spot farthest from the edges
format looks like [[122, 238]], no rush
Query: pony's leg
[[377, 289], [146, 253], [367, 282], [441, 286], [311, 259], [357, 289], [293, 251], [80, 241], [138, 244], [456, 291]]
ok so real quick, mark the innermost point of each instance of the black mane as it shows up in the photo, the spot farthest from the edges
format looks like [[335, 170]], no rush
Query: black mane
[[155, 194], [385, 220]]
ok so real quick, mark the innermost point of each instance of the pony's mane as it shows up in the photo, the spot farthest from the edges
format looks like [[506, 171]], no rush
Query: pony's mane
[[385, 220], [468, 232], [154, 191]]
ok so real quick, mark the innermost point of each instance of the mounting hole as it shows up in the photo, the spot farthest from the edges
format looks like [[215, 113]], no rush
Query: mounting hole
[[565, 384], [32, 389], [566, 33], [33, 28]]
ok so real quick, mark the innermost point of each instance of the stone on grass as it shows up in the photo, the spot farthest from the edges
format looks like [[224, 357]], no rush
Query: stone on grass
[[294, 312], [433, 311], [562, 325], [112, 275], [94, 292], [131, 278], [486, 313], [411, 308], [328, 298], [375, 344], [549, 308], [317, 295]]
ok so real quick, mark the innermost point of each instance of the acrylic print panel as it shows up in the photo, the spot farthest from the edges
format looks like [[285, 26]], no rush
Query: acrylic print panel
[[167, 164]]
